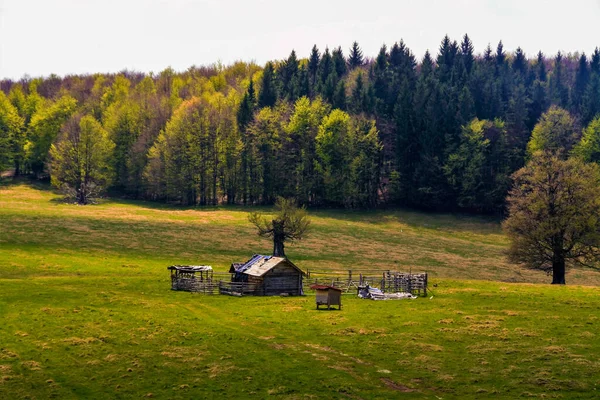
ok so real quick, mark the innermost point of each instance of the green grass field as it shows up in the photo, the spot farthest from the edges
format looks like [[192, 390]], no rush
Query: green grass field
[[86, 309]]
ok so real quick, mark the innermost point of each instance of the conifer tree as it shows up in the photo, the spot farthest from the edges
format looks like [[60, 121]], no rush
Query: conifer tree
[[541, 67], [268, 92], [339, 62], [559, 92], [246, 110], [595, 62], [358, 98], [582, 77], [467, 53], [519, 64], [355, 59], [313, 67], [487, 54], [500, 54], [339, 97], [325, 68]]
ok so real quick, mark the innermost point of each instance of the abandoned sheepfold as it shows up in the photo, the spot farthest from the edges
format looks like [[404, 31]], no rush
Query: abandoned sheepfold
[[274, 276]]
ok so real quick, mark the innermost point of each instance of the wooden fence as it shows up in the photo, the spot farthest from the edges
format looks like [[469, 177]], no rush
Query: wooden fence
[[388, 281], [349, 281]]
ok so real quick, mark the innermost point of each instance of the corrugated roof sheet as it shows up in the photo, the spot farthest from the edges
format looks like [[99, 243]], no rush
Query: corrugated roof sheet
[[191, 268], [258, 265]]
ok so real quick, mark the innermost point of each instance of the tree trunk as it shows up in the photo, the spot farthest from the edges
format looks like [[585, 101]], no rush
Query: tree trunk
[[81, 197], [278, 239], [558, 270]]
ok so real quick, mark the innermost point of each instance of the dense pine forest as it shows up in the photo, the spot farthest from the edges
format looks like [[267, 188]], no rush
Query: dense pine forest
[[335, 129]]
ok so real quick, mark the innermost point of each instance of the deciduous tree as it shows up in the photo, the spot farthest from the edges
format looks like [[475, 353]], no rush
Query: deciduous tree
[[80, 161], [289, 223], [554, 215]]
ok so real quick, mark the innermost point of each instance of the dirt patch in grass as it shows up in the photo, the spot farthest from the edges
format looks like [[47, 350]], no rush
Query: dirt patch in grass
[[32, 365], [396, 386], [220, 368]]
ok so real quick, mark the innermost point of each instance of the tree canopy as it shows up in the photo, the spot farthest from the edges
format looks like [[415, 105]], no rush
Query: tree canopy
[[406, 125], [289, 223]]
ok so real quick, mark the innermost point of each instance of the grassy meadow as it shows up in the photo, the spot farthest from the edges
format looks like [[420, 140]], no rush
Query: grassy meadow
[[86, 309]]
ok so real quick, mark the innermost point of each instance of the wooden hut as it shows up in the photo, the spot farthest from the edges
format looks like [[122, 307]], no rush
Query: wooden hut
[[328, 296], [267, 276]]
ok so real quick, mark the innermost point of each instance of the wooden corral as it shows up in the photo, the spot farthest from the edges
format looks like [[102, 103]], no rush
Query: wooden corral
[[192, 278], [388, 281], [265, 276], [328, 296]]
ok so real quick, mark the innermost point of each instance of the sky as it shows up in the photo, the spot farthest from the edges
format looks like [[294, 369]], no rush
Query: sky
[[40, 37]]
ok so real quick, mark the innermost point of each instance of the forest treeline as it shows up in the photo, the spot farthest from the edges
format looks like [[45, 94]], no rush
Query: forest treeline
[[334, 129]]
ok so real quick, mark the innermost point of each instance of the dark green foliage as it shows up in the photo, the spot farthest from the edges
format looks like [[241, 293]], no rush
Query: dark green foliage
[[559, 92], [520, 64], [467, 53], [582, 78], [339, 62], [355, 59], [313, 66], [245, 113], [541, 67], [268, 91]]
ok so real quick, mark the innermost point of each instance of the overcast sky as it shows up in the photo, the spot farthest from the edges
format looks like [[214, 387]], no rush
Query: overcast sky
[[39, 37]]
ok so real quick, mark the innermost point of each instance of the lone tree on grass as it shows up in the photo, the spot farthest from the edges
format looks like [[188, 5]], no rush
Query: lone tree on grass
[[554, 215], [80, 159], [288, 223]]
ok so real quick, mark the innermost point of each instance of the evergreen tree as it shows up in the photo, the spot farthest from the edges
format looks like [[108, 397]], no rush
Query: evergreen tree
[[268, 92], [519, 64], [326, 67], [467, 51], [582, 77], [288, 77], [339, 97], [355, 59], [446, 58], [541, 67], [358, 99], [595, 62], [559, 92], [380, 80], [313, 68], [339, 62], [500, 55]]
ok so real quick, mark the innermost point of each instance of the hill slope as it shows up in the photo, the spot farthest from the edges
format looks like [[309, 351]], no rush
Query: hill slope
[[86, 310]]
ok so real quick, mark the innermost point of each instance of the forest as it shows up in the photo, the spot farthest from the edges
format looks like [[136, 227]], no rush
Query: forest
[[336, 129]]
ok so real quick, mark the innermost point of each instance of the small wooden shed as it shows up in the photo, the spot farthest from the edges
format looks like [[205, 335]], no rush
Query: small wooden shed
[[191, 278], [268, 276], [328, 296]]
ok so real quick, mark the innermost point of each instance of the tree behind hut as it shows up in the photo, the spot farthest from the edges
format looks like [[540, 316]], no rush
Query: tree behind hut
[[554, 215], [288, 223]]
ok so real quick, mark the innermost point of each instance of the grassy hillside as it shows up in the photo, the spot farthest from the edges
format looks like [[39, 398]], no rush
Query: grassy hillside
[[86, 310]]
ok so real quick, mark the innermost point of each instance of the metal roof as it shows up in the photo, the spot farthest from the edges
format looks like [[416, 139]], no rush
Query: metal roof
[[191, 268], [259, 265]]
